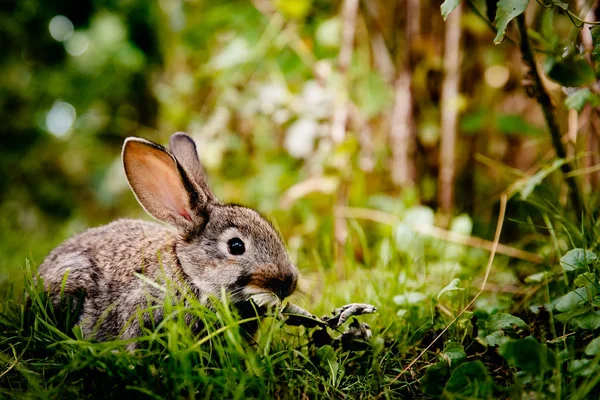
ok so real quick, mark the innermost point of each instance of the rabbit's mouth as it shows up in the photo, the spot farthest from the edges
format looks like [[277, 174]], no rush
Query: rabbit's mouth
[[260, 296], [265, 299]]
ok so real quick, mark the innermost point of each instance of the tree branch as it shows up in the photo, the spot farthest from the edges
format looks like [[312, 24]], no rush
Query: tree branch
[[538, 91]]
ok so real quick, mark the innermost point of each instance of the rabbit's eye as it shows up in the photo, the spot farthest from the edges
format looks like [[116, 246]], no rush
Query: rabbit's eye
[[236, 246]]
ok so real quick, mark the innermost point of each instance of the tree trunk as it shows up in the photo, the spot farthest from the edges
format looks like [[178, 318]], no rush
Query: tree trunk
[[402, 132], [449, 114], [402, 124]]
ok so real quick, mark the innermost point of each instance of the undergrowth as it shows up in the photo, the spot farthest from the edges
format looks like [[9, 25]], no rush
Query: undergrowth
[[528, 335]]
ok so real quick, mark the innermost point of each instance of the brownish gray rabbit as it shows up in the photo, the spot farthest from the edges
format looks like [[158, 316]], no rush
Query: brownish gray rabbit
[[209, 246]]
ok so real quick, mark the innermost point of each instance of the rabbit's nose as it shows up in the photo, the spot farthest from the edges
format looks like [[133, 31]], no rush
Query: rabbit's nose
[[285, 284], [281, 280]]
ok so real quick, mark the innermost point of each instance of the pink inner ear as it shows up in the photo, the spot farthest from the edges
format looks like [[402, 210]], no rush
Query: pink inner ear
[[165, 185]]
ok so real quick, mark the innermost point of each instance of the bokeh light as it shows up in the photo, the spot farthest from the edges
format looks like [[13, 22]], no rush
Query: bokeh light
[[60, 118], [496, 76], [77, 44], [61, 28]]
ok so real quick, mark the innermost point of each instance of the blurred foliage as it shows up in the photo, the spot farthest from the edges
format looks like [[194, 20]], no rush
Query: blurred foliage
[[66, 106], [257, 85]]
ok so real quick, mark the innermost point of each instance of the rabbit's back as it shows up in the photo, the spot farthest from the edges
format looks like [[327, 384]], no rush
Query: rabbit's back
[[101, 265], [112, 251]]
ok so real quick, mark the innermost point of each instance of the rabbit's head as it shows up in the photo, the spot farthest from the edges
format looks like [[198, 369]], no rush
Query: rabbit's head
[[219, 245]]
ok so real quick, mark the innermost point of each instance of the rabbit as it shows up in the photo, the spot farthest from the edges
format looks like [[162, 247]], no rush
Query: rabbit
[[207, 246]]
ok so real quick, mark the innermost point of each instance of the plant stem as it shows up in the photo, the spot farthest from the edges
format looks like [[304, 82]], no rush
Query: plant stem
[[538, 91]]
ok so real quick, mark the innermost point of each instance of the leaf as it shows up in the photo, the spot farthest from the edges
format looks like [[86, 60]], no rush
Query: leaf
[[462, 224], [454, 353], [470, 380], [575, 298], [593, 348], [507, 10], [537, 178], [585, 279], [580, 98], [435, 378], [528, 355], [448, 6], [570, 71], [566, 316], [372, 95], [496, 338], [595, 31], [582, 367], [589, 321], [475, 121], [539, 277], [502, 321], [299, 142], [237, 51], [577, 258], [329, 361], [452, 287], [297, 9], [465, 322], [329, 32], [547, 28], [419, 215], [513, 124]]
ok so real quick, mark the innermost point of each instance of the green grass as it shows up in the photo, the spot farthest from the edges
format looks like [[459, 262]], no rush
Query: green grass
[[43, 355], [170, 360]]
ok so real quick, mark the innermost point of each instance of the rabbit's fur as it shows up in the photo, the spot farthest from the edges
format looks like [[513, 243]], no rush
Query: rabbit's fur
[[101, 263]]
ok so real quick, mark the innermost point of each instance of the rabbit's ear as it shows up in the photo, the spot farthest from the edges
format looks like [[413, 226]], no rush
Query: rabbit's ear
[[184, 149], [162, 186]]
